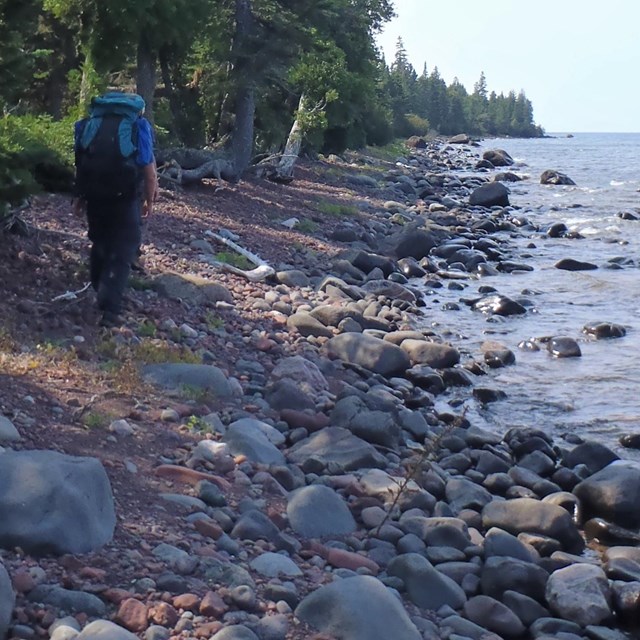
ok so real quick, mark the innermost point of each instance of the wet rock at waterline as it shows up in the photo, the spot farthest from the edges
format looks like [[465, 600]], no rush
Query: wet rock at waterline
[[553, 177], [532, 516], [506, 176], [485, 395], [371, 353], [498, 157], [432, 354], [490, 195], [563, 347], [499, 305], [557, 230], [569, 264], [608, 533], [630, 440], [601, 330], [613, 493]]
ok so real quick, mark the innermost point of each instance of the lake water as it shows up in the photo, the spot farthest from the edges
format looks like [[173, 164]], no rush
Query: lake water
[[597, 395]]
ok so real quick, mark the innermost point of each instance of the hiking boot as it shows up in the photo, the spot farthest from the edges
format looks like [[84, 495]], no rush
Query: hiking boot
[[110, 319]]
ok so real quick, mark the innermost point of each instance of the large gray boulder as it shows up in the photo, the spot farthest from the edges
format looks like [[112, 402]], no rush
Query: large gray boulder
[[425, 585], [7, 601], [415, 243], [498, 157], [613, 493], [371, 353], [191, 289], [432, 354], [304, 373], [54, 503], [256, 440], [337, 446], [186, 378], [532, 516], [490, 195], [359, 608], [317, 511], [551, 176], [580, 593], [104, 630]]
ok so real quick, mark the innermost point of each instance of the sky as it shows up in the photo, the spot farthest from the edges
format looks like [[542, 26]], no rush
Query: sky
[[578, 61]]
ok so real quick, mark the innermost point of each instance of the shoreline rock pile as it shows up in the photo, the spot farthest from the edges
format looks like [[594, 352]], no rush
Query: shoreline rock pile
[[332, 490]]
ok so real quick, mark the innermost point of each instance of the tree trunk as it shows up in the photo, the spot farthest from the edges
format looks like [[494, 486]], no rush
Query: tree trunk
[[245, 106], [146, 74], [174, 101], [294, 143]]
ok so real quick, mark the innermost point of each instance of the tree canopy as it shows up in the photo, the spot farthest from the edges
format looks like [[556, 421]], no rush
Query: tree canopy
[[239, 73]]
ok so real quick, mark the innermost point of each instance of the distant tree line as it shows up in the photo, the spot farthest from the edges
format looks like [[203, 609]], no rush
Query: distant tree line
[[451, 109], [250, 76]]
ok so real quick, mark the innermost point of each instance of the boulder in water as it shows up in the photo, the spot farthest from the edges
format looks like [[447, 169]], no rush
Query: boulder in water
[[550, 176], [569, 264], [604, 330], [563, 347], [498, 157]]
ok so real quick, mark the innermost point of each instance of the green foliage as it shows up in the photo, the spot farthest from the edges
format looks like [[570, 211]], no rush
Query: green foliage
[[234, 259], [198, 425], [336, 209], [413, 125], [307, 226], [147, 329], [214, 322], [97, 420], [38, 154], [388, 152]]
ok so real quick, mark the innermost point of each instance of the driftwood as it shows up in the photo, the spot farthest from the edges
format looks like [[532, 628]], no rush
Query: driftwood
[[191, 166], [262, 271]]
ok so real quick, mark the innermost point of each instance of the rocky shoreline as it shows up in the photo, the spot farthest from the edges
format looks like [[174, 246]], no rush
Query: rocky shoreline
[[313, 488]]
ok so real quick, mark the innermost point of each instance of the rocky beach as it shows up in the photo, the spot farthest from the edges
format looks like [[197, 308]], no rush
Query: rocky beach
[[282, 447]]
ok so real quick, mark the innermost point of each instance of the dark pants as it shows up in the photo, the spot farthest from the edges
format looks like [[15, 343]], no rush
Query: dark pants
[[115, 233]]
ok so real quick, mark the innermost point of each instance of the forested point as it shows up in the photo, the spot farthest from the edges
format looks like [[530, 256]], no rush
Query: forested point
[[248, 80]]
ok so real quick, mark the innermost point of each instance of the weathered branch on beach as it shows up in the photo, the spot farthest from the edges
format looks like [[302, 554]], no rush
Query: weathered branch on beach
[[262, 271]]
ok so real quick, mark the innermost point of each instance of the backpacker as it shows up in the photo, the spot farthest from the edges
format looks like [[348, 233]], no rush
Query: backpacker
[[106, 147]]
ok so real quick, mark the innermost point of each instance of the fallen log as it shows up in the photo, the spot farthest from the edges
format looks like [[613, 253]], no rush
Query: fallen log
[[190, 166]]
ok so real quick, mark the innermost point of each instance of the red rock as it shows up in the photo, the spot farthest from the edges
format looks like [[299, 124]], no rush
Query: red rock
[[189, 476], [164, 614], [23, 581], [343, 559], [349, 560], [115, 595], [264, 344], [187, 602], [92, 573], [212, 605], [208, 528], [132, 615]]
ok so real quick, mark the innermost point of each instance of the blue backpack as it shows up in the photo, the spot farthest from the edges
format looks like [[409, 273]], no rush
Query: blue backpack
[[106, 148]]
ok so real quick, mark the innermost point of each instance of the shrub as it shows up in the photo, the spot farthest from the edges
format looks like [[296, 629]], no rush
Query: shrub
[[40, 146], [412, 125]]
